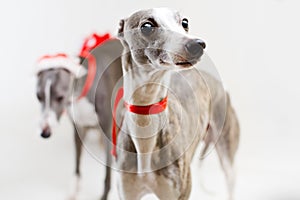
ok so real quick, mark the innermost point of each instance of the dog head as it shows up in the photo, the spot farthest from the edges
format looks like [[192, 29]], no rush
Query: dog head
[[53, 92], [160, 37]]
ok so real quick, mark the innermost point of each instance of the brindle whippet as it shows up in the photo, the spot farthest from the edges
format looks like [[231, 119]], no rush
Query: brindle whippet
[[155, 150]]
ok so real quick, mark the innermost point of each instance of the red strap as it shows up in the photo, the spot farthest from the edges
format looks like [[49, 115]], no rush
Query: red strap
[[92, 69], [89, 44], [114, 123], [141, 110]]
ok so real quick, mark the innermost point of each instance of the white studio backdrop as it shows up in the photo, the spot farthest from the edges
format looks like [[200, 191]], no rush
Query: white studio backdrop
[[254, 44]]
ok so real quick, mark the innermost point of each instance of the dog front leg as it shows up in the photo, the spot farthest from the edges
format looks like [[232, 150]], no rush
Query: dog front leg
[[79, 135], [107, 181], [129, 188]]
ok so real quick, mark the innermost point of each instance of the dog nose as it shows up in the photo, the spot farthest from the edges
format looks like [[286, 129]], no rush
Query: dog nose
[[202, 43], [46, 133], [195, 48]]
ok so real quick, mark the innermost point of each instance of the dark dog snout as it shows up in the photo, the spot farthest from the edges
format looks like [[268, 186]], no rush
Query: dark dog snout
[[195, 48], [46, 133]]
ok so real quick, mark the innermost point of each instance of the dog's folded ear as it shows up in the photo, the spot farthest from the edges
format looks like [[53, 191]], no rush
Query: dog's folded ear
[[121, 28]]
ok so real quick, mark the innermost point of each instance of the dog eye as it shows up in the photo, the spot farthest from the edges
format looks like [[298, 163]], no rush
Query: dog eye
[[185, 24], [59, 99], [147, 28], [39, 97]]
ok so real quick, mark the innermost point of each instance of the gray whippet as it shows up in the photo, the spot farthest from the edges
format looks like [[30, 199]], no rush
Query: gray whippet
[[169, 108], [60, 86]]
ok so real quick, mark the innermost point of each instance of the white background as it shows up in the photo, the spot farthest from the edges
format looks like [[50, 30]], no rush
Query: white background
[[254, 44]]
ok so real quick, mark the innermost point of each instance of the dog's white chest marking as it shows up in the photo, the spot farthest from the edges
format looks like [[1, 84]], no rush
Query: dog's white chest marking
[[49, 116], [47, 95], [144, 130], [83, 113]]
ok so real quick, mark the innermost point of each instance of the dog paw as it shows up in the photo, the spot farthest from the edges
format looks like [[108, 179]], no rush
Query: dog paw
[[72, 197], [74, 188]]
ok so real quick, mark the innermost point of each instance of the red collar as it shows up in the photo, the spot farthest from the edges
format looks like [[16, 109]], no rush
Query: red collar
[[89, 44], [155, 108]]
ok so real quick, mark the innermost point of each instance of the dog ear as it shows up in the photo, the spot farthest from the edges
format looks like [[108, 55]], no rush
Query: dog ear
[[121, 28]]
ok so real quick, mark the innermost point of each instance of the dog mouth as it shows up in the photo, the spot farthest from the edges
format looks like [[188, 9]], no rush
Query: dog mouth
[[183, 61], [186, 63], [181, 64]]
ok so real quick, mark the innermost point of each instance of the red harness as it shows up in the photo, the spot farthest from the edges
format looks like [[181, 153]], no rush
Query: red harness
[[152, 109], [89, 44]]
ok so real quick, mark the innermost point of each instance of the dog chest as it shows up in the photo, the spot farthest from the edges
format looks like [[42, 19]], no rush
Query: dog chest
[[83, 113]]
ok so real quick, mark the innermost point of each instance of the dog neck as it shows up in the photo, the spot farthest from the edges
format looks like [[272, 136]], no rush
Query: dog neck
[[144, 85]]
